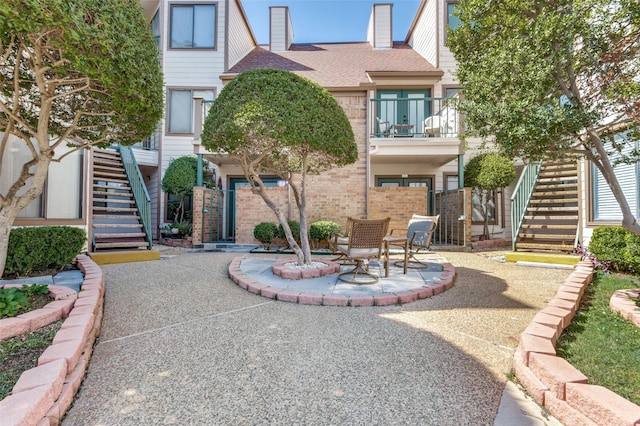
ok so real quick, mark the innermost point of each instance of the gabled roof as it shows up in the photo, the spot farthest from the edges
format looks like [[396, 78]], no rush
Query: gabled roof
[[338, 65]]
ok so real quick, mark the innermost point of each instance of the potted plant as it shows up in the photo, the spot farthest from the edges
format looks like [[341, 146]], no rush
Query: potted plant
[[322, 231]]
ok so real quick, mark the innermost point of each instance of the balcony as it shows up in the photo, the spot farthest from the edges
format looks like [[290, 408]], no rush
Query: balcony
[[414, 117], [415, 130]]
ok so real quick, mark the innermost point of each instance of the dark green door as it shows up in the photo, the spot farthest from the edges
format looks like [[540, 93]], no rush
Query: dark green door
[[405, 181], [404, 109]]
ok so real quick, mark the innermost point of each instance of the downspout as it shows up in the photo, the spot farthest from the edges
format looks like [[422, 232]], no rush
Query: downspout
[[460, 171], [368, 152]]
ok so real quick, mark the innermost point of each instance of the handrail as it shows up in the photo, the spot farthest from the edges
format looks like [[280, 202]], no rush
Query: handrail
[[140, 193], [520, 198]]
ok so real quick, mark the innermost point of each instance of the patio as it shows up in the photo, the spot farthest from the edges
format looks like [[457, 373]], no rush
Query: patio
[[254, 274]]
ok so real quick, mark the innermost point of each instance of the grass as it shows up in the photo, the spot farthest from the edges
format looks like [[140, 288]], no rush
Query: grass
[[601, 344], [21, 353]]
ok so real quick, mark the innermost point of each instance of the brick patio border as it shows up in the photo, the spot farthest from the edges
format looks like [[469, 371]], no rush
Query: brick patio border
[[443, 283], [43, 394], [551, 380]]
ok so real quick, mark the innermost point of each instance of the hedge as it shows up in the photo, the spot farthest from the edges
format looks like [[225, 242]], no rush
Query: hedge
[[43, 248]]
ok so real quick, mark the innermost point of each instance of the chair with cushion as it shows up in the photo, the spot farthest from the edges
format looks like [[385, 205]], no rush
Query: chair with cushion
[[340, 238], [364, 244], [419, 235]]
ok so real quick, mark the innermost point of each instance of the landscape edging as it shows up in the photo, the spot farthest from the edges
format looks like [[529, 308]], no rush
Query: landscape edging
[[554, 383], [43, 394]]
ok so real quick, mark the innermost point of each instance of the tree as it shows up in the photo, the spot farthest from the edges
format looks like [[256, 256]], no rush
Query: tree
[[485, 173], [179, 179], [73, 74], [547, 79], [274, 121]]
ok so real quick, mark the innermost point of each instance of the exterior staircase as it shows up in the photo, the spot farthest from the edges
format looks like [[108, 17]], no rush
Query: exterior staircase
[[117, 223], [551, 218]]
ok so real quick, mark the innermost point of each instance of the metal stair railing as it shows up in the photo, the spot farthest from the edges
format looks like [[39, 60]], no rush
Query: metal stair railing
[[520, 199], [140, 193]]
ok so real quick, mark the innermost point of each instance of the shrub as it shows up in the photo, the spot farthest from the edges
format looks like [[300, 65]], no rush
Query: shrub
[[265, 232], [42, 248], [323, 230], [618, 246], [295, 229]]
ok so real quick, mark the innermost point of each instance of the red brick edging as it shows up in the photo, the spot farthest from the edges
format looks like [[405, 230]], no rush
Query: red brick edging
[[626, 307], [43, 394], [551, 380], [444, 282]]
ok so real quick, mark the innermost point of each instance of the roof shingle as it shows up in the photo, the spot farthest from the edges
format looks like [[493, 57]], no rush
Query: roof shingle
[[339, 65]]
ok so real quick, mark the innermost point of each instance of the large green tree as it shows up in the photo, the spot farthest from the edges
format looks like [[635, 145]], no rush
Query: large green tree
[[551, 78], [73, 74], [276, 122]]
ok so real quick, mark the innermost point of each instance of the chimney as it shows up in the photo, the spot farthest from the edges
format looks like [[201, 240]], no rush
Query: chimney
[[280, 29], [379, 32]]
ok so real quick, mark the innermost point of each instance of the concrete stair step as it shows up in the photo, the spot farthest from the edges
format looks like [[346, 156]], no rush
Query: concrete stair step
[[119, 235], [117, 225]]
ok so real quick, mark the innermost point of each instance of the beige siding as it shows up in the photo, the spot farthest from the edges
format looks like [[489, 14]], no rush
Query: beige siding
[[280, 25], [424, 37], [240, 40], [379, 32]]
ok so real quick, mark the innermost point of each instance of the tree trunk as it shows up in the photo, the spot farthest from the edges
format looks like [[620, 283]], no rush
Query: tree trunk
[[13, 203], [283, 222], [5, 228]]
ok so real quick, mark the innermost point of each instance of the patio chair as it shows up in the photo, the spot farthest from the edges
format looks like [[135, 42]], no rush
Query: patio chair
[[365, 243], [384, 128], [340, 238], [419, 235]]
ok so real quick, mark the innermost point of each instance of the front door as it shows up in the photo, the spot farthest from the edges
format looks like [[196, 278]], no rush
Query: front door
[[405, 110]]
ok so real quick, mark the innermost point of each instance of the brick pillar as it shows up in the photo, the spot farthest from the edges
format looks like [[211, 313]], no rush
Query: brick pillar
[[198, 205]]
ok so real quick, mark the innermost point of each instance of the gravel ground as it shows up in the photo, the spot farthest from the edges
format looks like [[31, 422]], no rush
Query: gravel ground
[[181, 344]]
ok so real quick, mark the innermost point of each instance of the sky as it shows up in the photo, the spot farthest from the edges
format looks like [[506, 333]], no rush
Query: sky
[[317, 21]]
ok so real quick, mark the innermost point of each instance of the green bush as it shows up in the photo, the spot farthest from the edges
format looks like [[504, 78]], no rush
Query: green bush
[[618, 246], [43, 248], [265, 232], [12, 301], [323, 230], [295, 229]]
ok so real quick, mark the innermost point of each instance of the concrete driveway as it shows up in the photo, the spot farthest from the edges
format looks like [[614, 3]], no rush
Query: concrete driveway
[[181, 344]]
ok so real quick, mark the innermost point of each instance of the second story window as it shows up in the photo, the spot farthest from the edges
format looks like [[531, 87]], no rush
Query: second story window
[[453, 21], [193, 26]]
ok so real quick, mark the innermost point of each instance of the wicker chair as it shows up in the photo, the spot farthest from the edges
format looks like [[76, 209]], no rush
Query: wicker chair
[[340, 238], [365, 243], [419, 236]]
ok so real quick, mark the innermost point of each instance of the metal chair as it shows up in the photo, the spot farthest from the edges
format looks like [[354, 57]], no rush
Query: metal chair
[[419, 236], [365, 243]]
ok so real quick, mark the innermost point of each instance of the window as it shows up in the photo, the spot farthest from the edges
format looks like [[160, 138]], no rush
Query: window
[[61, 197], [453, 21], [181, 108], [155, 28], [477, 207], [193, 26], [605, 206]]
